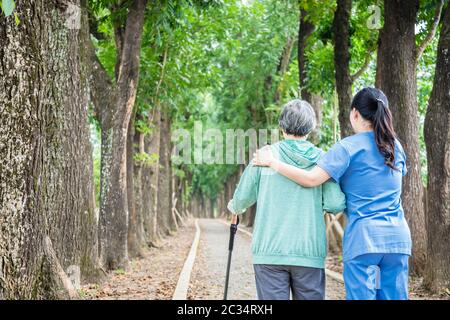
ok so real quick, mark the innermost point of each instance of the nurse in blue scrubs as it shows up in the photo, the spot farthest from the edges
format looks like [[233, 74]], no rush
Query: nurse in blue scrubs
[[369, 166]]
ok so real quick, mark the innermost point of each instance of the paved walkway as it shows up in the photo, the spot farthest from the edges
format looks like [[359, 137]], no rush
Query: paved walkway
[[208, 276]]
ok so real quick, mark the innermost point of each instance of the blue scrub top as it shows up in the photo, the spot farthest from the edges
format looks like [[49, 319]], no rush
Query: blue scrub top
[[376, 223]]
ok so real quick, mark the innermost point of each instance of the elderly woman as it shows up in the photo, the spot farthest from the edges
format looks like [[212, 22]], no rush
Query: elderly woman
[[289, 240], [369, 167]]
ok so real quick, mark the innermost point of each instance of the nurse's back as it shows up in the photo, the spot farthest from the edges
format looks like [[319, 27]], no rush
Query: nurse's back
[[373, 187], [376, 221]]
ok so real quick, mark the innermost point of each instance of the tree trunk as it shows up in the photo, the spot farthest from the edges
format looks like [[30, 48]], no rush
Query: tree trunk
[[437, 138], [283, 64], [164, 200], [341, 37], [138, 189], [82, 157], [187, 198], [316, 102], [134, 194], [204, 205], [306, 28], [194, 206], [132, 221], [224, 202], [47, 214], [197, 206], [212, 214], [179, 182], [115, 117], [174, 202], [148, 199], [221, 206], [113, 196], [396, 76], [150, 180]]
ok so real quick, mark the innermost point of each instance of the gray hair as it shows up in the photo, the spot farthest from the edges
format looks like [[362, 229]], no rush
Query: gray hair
[[297, 118]]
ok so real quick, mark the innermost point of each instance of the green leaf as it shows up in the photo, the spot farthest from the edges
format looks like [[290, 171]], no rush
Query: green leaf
[[8, 7], [16, 18]]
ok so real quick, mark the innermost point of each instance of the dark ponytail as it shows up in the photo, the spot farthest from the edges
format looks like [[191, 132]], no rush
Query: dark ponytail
[[372, 104]]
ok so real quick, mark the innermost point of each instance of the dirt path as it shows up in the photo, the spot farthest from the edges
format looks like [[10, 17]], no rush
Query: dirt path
[[208, 277], [152, 276]]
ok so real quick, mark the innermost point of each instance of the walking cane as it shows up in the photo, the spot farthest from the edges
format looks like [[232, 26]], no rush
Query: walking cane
[[233, 229]]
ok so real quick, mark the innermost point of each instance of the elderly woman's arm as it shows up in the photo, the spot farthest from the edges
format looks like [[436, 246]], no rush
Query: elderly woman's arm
[[333, 199], [246, 192], [305, 178]]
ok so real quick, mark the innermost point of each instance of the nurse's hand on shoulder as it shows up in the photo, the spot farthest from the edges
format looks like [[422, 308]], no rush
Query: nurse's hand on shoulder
[[263, 157]]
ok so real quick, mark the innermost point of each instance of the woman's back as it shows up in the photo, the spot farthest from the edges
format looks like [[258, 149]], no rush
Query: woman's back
[[376, 221]]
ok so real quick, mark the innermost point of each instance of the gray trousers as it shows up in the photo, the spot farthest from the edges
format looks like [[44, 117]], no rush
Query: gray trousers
[[274, 282]]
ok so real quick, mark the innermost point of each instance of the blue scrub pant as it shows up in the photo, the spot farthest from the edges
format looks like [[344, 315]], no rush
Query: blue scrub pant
[[377, 276]]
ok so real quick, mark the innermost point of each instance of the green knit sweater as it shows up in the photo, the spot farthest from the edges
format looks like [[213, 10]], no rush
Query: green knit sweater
[[289, 226]]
